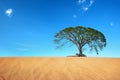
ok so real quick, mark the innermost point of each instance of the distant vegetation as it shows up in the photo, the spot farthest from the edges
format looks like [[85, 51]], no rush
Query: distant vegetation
[[81, 36]]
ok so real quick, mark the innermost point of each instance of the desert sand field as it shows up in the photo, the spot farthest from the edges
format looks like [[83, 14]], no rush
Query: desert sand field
[[59, 68]]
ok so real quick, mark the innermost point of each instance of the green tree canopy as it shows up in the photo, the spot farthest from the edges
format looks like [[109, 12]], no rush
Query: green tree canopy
[[81, 36]]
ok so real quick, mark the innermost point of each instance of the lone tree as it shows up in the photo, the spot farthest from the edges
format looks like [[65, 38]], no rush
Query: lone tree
[[81, 36]]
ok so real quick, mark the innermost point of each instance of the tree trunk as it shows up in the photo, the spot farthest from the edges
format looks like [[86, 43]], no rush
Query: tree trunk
[[80, 51]]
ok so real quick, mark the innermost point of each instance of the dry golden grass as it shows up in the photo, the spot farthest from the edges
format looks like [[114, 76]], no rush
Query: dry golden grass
[[56, 68]]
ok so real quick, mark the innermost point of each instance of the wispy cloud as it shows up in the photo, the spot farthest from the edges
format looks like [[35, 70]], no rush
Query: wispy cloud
[[81, 1], [85, 4], [91, 3], [74, 16], [25, 47], [85, 8], [9, 12], [111, 23], [22, 49]]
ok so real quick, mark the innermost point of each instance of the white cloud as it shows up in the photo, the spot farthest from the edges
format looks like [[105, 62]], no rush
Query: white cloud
[[85, 4], [9, 12], [85, 8], [74, 16], [91, 2], [81, 1]]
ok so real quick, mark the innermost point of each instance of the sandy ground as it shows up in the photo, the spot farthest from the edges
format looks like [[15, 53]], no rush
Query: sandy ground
[[59, 68]]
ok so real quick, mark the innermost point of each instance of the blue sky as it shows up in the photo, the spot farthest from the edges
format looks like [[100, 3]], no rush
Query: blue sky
[[27, 27]]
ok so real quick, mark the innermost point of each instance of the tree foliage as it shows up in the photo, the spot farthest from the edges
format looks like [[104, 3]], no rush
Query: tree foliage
[[81, 36]]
